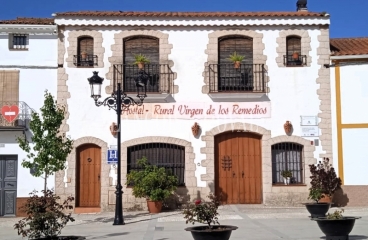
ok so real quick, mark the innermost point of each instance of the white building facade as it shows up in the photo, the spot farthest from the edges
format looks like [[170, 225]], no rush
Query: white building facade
[[28, 67], [349, 68], [244, 140]]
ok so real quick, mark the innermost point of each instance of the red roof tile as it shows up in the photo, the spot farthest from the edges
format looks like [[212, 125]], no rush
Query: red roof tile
[[29, 21], [189, 14], [349, 46]]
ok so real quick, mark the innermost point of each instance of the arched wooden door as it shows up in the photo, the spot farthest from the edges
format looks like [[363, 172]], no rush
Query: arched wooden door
[[238, 167], [88, 176]]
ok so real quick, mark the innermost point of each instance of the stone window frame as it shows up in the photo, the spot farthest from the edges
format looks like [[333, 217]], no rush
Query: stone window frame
[[118, 47], [212, 51], [305, 41], [190, 167], [266, 142], [98, 49], [70, 189]]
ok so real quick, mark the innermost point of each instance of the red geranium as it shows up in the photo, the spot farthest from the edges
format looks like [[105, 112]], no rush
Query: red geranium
[[198, 202]]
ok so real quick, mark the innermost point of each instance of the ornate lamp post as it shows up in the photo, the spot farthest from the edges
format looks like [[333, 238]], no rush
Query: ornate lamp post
[[118, 101]]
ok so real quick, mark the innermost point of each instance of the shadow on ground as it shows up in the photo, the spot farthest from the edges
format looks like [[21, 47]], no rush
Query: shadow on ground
[[353, 237]]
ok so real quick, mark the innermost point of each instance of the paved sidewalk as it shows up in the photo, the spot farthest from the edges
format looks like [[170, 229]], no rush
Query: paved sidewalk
[[254, 222]]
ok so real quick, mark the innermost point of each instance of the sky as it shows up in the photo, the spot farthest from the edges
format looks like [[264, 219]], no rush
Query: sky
[[348, 17]]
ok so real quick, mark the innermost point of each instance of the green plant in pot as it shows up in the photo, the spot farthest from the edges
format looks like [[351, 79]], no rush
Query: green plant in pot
[[335, 225], [236, 59], [286, 174], [140, 60], [153, 183], [206, 213]]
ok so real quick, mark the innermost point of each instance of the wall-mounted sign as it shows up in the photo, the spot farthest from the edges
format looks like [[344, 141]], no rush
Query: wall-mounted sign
[[309, 121], [310, 131], [112, 156], [199, 110], [10, 113]]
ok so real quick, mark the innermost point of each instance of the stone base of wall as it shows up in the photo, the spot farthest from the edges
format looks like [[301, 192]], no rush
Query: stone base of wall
[[286, 199], [351, 196], [19, 203]]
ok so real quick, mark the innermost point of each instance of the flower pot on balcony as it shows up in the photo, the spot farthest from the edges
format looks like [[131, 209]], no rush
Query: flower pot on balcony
[[140, 65], [295, 56], [84, 55], [237, 64]]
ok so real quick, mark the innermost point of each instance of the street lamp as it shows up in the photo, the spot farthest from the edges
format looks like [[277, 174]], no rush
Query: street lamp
[[119, 101]]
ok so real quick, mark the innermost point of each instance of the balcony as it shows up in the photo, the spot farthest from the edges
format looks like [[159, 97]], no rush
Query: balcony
[[160, 80], [15, 116], [291, 61], [246, 83], [85, 60]]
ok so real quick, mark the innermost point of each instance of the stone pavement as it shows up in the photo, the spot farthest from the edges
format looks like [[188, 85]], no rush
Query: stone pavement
[[254, 222]]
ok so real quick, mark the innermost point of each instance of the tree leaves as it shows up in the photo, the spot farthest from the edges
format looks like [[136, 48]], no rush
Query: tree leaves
[[48, 149]]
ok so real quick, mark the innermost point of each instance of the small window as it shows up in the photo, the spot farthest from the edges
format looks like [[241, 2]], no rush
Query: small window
[[85, 57], [169, 156], [287, 156], [293, 55], [18, 41]]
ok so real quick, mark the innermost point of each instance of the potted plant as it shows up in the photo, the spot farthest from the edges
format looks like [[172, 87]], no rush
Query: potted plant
[[286, 174], [236, 59], [153, 183], [206, 213], [46, 217], [140, 60], [84, 55], [316, 209], [295, 56], [335, 225]]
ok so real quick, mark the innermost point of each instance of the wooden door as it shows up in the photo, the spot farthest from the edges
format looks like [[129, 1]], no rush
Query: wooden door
[[88, 176], [238, 172]]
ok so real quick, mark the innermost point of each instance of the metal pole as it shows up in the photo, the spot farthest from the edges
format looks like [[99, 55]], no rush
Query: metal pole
[[119, 220]]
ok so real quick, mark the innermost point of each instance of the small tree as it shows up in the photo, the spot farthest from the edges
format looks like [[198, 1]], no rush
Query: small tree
[[48, 149]]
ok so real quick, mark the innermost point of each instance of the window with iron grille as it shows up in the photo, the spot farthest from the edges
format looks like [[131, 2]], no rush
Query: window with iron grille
[[293, 45], [231, 79], [18, 41], [149, 47], [287, 156], [169, 156], [85, 56]]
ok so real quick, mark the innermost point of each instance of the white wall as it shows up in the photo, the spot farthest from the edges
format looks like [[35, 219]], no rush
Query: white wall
[[42, 51], [32, 84], [293, 93]]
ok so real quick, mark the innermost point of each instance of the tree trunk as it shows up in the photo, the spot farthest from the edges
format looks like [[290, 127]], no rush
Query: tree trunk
[[45, 184]]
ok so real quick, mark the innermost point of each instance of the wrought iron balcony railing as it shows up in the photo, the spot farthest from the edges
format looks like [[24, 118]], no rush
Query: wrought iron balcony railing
[[85, 60], [15, 115], [246, 78], [160, 77], [289, 60]]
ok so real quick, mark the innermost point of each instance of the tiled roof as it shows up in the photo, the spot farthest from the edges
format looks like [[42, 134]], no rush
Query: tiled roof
[[29, 21], [190, 14], [349, 46]]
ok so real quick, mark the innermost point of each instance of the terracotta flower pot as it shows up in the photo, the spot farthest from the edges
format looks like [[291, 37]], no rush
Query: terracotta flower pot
[[295, 56], [84, 55], [326, 199], [154, 206], [237, 64], [140, 65]]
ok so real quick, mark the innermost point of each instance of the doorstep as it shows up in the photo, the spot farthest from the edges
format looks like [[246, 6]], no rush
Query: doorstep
[[79, 210]]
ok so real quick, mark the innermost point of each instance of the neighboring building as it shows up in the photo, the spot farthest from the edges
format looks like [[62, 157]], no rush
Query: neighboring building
[[242, 146], [349, 88], [28, 66]]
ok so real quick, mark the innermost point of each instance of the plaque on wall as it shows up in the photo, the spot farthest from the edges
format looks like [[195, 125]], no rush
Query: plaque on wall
[[308, 121], [310, 131]]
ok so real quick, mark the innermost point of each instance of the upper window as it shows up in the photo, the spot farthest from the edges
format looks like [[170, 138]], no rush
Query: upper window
[[149, 48], [85, 56], [18, 41], [287, 156], [169, 156], [235, 71], [293, 55]]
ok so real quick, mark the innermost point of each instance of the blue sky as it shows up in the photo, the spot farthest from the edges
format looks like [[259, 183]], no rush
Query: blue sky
[[348, 17]]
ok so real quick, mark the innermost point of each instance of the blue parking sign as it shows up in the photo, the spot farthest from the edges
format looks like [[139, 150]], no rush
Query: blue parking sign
[[112, 156]]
